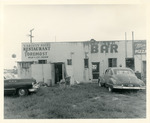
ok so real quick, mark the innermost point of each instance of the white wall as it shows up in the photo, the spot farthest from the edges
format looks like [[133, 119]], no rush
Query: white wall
[[42, 72], [129, 50], [71, 74], [24, 72], [138, 59]]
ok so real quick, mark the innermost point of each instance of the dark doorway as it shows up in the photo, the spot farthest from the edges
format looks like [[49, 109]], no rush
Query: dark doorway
[[58, 72], [130, 63], [95, 70], [144, 71]]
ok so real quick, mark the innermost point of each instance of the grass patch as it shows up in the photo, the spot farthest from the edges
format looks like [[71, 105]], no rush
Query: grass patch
[[78, 101]]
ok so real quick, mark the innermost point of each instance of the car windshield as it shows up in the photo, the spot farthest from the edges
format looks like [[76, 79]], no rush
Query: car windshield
[[123, 71]]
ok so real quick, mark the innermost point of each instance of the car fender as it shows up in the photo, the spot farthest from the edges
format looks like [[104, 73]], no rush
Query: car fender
[[102, 79], [141, 82], [10, 90], [110, 83], [22, 88]]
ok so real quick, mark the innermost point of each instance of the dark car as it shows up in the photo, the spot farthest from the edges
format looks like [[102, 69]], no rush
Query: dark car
[[120, 78], [20, 87]]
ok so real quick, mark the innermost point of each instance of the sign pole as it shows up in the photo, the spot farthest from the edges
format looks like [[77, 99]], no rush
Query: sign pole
[[31, 35]]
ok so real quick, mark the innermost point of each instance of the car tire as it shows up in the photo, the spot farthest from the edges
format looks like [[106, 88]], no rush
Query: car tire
[[110, 89], [22, 92]]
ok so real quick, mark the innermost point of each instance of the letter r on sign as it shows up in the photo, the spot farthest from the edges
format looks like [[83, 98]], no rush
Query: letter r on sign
[[114, 48]]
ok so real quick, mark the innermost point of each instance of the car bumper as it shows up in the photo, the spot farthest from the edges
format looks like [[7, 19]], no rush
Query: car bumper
[[33, 90], [138, 88]]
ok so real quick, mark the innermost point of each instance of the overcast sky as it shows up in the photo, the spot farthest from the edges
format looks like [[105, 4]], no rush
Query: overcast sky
[[69, 23]]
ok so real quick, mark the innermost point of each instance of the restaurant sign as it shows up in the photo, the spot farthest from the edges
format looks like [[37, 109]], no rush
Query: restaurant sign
[[35, 50], [140, 47]]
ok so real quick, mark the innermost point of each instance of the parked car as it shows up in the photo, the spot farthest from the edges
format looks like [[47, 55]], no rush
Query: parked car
[[120, 78], [20, 87]]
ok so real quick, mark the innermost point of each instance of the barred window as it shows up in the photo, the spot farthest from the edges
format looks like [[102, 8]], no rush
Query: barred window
[[69, 61], [112, 62], [42, 61]]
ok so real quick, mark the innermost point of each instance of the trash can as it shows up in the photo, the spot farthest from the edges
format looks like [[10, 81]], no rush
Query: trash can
[[49, 83], [67, 79]]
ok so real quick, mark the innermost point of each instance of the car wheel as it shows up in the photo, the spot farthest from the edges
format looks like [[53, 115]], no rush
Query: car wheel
[[22, 92], [110, 89]]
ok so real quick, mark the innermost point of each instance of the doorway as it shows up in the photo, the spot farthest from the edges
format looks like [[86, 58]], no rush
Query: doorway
[[58, 72], [95, 70], [130, 63]]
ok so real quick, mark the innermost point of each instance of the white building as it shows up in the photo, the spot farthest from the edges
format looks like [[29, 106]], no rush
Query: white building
[[83, 61]]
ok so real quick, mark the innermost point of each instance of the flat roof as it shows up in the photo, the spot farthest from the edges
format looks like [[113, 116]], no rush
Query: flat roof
[[84, 41]]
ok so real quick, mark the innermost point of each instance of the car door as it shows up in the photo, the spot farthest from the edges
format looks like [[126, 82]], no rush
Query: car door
[[9, 86], [108, 75]]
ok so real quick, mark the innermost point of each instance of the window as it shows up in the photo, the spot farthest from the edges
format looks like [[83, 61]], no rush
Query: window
[[69, 61], [86, 63], [25, 65], [112, 62], [123, 71], [108, 72], [42, 61]]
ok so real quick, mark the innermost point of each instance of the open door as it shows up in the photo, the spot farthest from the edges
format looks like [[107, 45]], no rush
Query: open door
[[95, 70], [58, 72]]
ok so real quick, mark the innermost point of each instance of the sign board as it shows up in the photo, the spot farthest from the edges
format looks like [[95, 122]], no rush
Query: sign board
[[105, 47], [31, 51], [140, 47]]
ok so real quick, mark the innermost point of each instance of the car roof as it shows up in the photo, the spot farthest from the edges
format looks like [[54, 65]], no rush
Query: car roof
[[113, 68], [19, 79]]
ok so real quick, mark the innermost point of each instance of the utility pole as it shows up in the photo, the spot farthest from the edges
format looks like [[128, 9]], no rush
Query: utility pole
[[133, 44], [31, 35], [125, 45]]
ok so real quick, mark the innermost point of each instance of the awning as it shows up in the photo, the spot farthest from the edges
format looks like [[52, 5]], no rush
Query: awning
[[25, 61]]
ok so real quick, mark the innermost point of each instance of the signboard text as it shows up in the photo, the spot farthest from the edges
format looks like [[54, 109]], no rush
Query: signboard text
[[36, 50]]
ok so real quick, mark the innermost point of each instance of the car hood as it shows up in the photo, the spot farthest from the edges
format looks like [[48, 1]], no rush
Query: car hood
[[126, 78]]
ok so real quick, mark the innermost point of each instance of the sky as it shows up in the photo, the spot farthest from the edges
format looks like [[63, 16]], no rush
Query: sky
[[69, 23]]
